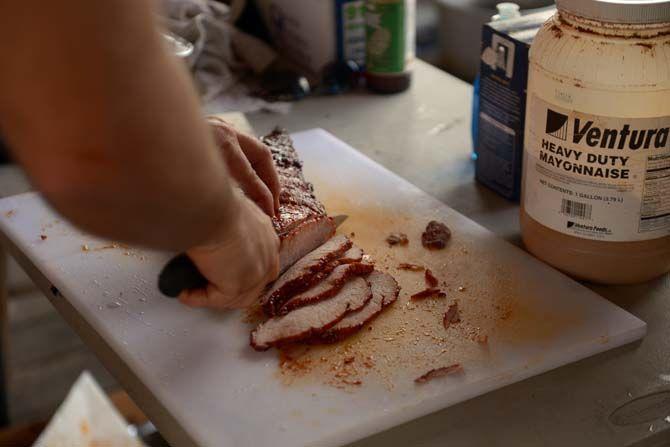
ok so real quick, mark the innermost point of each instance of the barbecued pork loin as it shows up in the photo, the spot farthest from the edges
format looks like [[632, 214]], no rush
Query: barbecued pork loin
[[385, 291], [302, 223], [309, 270], [328, 287], [354, 254], [309, 321]]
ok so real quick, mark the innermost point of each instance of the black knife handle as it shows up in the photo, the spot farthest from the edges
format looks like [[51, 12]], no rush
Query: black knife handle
[[180, 274]]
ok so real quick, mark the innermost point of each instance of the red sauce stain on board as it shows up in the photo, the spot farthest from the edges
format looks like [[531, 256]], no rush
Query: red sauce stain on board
[[409, 337]]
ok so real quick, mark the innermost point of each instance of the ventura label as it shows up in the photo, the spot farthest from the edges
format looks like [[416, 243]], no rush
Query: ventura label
[[596, 177]]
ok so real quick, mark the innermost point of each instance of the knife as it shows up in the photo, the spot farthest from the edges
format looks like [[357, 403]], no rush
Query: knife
[[180, 273]]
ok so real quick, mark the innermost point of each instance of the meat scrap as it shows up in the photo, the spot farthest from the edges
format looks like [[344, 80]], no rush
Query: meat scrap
[[385, 292], [328, 287], [435, 236], [451, 316], [354, 254], [431, 280], [427, 293], [411, 267], [312, 268], [301, 223], [311, 320], [397, 239], [439, 372]]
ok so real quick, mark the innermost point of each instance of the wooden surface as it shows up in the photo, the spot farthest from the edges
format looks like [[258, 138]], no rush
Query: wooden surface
[[45, 358]]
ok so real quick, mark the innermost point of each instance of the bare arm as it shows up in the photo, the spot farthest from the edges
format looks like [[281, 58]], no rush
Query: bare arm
[[106, 123]]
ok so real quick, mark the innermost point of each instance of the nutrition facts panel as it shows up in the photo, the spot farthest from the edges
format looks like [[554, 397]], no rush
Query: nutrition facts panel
[[655, 211]]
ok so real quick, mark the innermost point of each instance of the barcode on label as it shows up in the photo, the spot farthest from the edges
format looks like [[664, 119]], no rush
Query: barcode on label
[[576, 209]]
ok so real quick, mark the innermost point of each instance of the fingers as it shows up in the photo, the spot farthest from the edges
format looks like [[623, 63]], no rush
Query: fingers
[[260, 157], [242, 171]]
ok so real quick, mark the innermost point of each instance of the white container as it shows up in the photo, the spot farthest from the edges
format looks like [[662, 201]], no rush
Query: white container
[[315, 33], [596, 185]]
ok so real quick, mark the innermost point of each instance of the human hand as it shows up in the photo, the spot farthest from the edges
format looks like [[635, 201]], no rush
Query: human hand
[[238, 263], [250, 163]]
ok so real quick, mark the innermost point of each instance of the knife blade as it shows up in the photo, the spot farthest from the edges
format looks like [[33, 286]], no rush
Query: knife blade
[[180, 273]]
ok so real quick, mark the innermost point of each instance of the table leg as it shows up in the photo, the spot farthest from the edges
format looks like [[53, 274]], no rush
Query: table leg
[[4, 337]]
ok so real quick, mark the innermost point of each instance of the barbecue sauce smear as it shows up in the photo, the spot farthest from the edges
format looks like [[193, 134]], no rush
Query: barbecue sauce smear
[[409, 338]]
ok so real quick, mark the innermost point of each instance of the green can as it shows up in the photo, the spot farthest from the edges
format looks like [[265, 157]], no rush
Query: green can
[[389, 44]]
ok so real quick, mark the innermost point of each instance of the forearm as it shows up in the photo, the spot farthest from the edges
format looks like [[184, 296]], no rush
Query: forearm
[[110, 129]]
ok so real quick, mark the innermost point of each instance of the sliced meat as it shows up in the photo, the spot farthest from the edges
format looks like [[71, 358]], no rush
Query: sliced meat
[[303, 239], [304, 273], [427, 293], [451, 316], [311, 320], [302, 223], [439, 372], [397, 239], [411, 267], [431, 280], [354, 254], [385, 291], [328, 287], [436, 235]]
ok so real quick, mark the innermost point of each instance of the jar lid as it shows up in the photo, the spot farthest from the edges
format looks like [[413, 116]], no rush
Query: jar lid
[[619, 11]]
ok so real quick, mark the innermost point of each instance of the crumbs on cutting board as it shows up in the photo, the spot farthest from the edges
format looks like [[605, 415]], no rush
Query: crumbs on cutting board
[[411, 337], [126, 249], [10, 213]]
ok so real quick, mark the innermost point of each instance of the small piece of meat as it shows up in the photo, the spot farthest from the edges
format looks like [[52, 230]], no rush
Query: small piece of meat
[[304, 273], [311, 320], [439, 372], [427, 293], [436, 235], [354, 254], [385, 292], [328, 287], [431, 280], [397, 239], [411, 267], [451, 316]]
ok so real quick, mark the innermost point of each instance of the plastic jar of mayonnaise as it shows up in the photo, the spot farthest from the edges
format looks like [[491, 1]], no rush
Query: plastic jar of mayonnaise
[[596, 181]]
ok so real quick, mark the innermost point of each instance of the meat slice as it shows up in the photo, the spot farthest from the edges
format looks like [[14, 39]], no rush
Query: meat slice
[[427, 293], [354, 254], [451, 316], [328, 287], [435, 236], [431, 280], [304, 273], [411, 267], [439, 372], [397, 239], [302, 223], [385, 291], [311, 320], [303, 239]]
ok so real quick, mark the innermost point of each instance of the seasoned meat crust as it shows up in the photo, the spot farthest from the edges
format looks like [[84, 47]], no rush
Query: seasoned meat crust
[[302, 223], [311, 320], [385, 292]]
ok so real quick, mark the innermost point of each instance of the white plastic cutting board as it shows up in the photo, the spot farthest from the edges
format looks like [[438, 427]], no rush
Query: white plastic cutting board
[[203, 384]]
